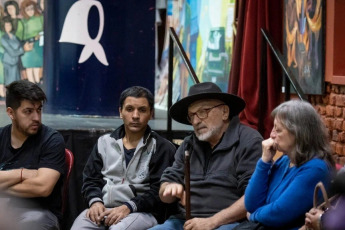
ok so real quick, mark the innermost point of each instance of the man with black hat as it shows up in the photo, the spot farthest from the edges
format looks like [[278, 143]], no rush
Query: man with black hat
[[223, 154]]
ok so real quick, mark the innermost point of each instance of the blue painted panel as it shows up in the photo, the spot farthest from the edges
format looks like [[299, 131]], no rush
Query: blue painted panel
[[92, 87]]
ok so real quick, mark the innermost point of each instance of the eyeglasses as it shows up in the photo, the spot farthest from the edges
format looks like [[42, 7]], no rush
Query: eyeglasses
[[201, 114]]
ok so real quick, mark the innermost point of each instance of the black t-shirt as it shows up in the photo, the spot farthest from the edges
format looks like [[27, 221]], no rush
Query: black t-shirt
[[128, 154], [46, 149]]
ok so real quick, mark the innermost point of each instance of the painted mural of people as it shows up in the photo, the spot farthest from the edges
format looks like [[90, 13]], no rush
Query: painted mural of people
[[12, 52], [33, 30], [11, 9], [303, 42]]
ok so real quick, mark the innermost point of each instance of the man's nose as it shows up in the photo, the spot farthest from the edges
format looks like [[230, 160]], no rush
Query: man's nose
[[36, 116], [135, 113], [195, 119]]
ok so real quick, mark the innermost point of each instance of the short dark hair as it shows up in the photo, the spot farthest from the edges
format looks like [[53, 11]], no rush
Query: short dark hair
[[13, 3], [136, 91], [21, 90]]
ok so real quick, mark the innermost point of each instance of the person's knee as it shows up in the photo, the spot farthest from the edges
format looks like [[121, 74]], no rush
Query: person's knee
[[83, 221], [40, 220], [170, 224], [136, 221]]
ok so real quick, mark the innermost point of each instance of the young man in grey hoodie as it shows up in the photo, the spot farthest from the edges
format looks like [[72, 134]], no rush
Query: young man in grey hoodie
[[121, 177]]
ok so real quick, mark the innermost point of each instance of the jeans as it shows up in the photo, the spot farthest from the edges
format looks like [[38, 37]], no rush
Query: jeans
[[177, 224]]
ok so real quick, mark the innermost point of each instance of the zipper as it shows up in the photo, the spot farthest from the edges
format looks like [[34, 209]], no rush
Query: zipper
[[207, 163]]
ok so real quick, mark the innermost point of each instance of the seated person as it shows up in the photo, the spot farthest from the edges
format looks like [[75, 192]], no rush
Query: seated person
[[32, 161], [223, 154], [279, 193], [332, 219], [121, 176]]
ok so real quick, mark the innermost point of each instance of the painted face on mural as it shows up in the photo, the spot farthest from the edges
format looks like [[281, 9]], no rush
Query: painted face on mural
[[30, 10], [8, 27], [11, 11]]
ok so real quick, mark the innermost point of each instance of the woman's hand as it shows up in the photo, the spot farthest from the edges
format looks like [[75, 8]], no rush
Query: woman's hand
[[312, 218], [268, 150]]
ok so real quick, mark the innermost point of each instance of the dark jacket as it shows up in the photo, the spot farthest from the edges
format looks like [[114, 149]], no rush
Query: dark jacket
[[106, 177], [219, 176]]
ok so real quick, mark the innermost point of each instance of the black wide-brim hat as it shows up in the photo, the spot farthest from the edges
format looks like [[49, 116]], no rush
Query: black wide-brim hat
[[205, 90]]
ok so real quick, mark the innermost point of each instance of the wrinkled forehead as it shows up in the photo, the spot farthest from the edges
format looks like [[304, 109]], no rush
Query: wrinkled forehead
[[203, 103]]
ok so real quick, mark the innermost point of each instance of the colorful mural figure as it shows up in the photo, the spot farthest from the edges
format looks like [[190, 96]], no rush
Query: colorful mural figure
[[303, 36], [205, 31], [22, 41], [33, 40], [12, 52], [12, 10]]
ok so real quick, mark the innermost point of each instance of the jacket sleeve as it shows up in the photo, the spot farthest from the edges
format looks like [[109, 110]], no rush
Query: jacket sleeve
[[92, 178], [256, 192], [53, 153], [175, 173], [10, 50], [248, 155], [163, 158]]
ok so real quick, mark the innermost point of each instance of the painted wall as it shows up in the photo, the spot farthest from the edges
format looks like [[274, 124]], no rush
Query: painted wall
[[94, 49], [204, 28], [21, 42]]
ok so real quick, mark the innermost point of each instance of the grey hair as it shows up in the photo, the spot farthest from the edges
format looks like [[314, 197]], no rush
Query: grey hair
[[301, 120]]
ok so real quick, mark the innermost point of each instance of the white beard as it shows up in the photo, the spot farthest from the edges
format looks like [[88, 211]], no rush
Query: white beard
[[210, 133]]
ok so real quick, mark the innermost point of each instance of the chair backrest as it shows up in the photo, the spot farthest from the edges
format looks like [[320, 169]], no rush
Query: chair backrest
[[69, 158]]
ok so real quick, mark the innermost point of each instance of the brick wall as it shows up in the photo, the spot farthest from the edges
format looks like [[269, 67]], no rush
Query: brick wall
[[331, 107]]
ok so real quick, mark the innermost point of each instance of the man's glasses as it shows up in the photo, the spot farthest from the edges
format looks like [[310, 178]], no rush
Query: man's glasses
[[201, 114]]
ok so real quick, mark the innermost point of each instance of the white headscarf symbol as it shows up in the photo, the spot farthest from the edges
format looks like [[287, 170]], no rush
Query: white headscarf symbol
[[75, 30]]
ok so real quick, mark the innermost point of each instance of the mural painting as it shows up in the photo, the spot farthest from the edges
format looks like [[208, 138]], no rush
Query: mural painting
[[21, 48], [205, 31], [304, 42]]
